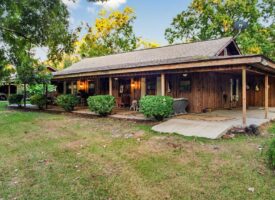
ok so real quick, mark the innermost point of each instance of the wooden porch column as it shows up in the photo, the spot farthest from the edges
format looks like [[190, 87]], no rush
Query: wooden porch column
[[162, 78], [110, 86], [244, 94], [64, 87], [72, 87], [142, 87], [266, 96]]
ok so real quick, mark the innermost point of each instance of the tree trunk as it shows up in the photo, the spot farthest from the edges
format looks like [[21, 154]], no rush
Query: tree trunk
[[25, 94], [46, 96]]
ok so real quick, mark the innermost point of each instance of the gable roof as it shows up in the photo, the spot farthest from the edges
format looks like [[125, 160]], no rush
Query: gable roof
[[147, 57]]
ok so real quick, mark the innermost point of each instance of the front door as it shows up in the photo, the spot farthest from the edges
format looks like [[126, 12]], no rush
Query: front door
[[124, 91]]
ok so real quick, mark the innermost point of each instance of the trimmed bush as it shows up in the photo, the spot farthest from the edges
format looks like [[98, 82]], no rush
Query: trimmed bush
[[101, 104], [39, 100], [158, 107], [67, 102], [16, 99], [270, 154]]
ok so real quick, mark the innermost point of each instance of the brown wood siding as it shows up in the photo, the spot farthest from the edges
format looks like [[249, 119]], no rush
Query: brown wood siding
[[272, 91], [257, 98], [208, 90]]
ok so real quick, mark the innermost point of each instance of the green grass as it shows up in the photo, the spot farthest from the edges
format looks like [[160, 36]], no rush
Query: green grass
[[3, 105], [44, 156]]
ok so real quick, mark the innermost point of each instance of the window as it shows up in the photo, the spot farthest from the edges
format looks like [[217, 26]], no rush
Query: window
[[151, 83], [185, 85]]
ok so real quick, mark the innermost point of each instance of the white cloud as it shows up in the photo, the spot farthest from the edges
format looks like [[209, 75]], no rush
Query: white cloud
[[111, 4], [72, 20], [91, 10], [40, 53], [72, 4]]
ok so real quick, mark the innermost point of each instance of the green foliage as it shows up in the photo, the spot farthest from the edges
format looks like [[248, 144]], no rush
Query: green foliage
[[101, 104], [270, 154], [40, 89], [158, 107], [26, 24], [15, 99], [67, 102], [25, 69], [112, 33], [212, 19], [38, 99]]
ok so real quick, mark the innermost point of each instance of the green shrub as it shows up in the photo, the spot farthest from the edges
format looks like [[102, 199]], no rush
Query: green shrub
[[40, 89], [101, 104], [16, 99], [158, 107], [39, 100], [67, 102], [270, 154]]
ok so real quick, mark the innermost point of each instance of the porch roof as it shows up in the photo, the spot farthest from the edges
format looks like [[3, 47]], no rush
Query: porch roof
[[140, 60]]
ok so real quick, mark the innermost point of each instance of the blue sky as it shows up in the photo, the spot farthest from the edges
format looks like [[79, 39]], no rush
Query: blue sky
[[153, 16]]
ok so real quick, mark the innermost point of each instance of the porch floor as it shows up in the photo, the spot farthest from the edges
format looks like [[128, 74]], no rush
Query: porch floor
[[213, 125]]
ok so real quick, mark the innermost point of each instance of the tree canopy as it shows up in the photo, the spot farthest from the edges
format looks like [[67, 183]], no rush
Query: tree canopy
[[25, 24], [210, 19], [111, 33]]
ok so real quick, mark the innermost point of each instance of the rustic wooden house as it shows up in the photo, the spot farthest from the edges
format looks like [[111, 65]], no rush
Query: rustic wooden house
[[210, 74]]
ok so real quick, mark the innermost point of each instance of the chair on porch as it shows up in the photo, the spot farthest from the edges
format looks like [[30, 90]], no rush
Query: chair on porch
[[134, 106], [119, 103]]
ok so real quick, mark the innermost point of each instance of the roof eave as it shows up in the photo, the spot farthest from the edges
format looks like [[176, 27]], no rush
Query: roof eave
[[258, 60]]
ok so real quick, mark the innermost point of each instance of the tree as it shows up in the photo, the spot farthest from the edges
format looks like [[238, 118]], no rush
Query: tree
[[25, 24], [26, 72], [112, 33], [3, 63], [66, 61], [210, 19], [144, 44]]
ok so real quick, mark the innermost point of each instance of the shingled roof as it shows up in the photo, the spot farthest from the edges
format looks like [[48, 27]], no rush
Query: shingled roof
[[150, 57]]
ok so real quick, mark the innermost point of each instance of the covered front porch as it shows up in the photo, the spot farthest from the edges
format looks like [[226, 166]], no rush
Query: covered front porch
[[206, 89]]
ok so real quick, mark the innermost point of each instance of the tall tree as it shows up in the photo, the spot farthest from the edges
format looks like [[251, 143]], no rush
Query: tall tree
[[209, 19], [25, 24], [112, 33], [25, 72]]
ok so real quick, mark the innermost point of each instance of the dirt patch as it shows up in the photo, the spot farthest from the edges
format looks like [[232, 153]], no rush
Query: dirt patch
[[76, 145]]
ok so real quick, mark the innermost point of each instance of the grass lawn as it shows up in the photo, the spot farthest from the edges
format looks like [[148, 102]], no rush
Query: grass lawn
[[45, 156]]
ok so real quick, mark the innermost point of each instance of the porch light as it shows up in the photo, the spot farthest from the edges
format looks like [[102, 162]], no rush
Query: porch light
[[257, 89], [184, 75], [116, 79], [81, 85], [133, 85]]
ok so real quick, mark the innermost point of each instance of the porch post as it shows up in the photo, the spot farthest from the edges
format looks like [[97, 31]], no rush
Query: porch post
[[143, 87], [64, 87], [110, 86], [266, 96], [162, 84], [72, 87], [244, 94]]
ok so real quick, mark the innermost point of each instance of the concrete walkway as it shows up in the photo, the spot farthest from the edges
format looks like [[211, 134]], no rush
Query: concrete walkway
[[208, 128]]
